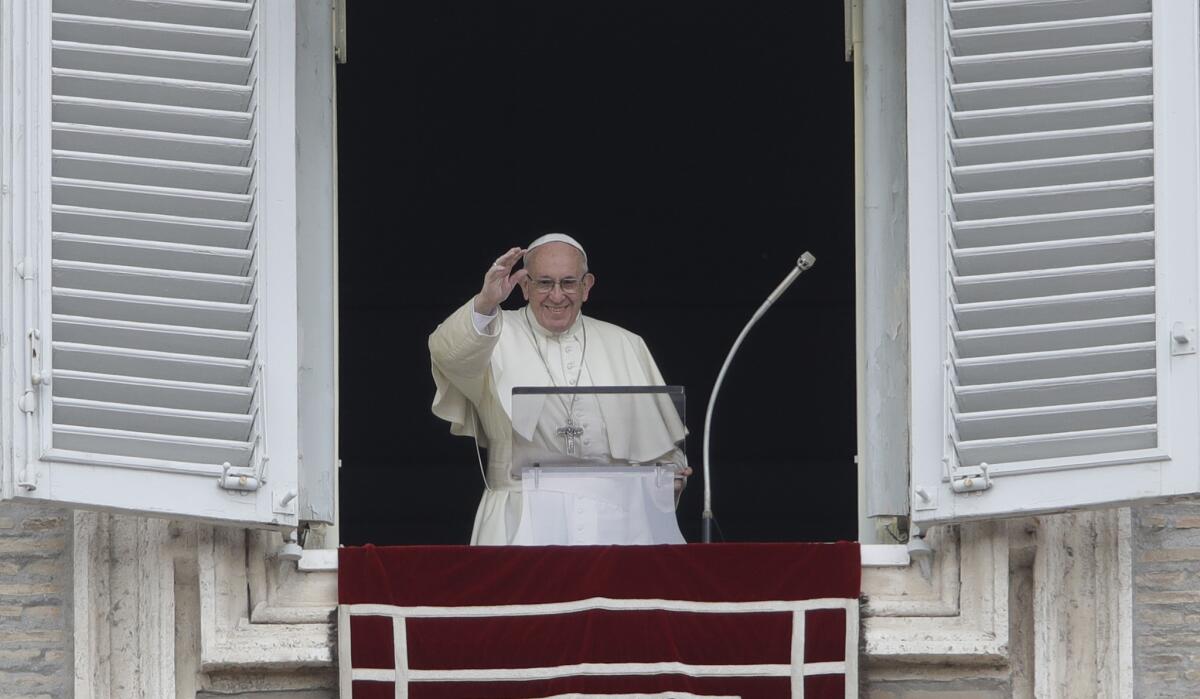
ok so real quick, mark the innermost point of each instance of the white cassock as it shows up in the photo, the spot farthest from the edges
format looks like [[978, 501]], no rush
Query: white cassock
[[475, 368]]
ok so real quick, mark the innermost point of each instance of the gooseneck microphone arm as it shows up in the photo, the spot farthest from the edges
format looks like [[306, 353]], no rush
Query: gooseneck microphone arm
[[804, 263]]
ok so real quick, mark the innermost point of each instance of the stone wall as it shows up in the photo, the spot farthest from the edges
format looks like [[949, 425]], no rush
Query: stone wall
[[1166, 600], [35, 599], [36, 614]]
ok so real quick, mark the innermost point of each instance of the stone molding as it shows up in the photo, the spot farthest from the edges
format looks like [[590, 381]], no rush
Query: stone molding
[[1083, 606], [163, 608], [256, 611], [958, 616], [287, 593], [901, 591], [124, 607]]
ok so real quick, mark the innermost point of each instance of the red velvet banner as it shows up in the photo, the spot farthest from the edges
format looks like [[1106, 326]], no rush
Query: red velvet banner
[[507, 622]]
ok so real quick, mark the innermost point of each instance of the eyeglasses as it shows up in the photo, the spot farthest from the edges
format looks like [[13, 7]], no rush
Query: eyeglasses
[[569, 286]]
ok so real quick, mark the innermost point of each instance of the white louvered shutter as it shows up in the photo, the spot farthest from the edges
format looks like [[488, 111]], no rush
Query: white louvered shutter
[[1052, 154], [159, 311]]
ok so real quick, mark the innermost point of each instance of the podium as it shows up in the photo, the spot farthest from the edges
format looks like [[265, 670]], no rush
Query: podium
[[598, 464]]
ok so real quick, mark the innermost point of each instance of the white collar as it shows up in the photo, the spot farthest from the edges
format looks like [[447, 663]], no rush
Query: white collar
[[572, 331]]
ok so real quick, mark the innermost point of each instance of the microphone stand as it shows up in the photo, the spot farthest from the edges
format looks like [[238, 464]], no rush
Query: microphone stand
[[803, 264]]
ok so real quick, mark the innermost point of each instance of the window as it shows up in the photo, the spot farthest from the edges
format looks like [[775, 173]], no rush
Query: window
[[677, 141]]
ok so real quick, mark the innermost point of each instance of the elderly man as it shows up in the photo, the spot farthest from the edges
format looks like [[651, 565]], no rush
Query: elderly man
[[481, 353]]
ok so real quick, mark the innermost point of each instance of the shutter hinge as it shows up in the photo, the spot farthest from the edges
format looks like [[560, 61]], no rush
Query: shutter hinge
[[970, 479], [25, 269], [28, 479], [28, 401], [36, 376]]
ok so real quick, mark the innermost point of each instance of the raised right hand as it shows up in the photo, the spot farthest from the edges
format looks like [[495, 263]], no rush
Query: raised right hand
[[499, 281]]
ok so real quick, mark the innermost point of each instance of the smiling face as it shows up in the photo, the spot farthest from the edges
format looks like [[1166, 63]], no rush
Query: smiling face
[[555, 308]]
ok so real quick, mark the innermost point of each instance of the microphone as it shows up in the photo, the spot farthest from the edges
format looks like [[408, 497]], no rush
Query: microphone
[[803, 264]]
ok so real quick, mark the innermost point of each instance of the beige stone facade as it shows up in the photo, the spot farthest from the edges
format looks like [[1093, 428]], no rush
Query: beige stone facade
[[1094, 604], [1075, 605]]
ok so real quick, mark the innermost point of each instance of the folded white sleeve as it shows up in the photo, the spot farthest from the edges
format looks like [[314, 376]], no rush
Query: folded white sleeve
[[482, 322]]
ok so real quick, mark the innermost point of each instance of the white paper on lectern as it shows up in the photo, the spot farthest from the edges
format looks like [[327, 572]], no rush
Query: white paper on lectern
[[597, 505]]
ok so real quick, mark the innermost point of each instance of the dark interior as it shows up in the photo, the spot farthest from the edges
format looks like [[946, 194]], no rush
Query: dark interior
[[695, 147]]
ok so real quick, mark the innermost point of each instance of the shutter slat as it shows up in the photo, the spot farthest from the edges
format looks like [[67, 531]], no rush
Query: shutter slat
[[190, 38], [998, 259], [193, 121], [147, 226], [981, 13], [93, 84], [1051, 282], [999, 94], [998, 424], [170, 284], [151, 171], [149, 364], [1055, 309], [1087, 388], [1033, 36], [160, 451], [1054, 198], [164, 421], [153, 200], [204, 13], [154, 337], [1058, 116], [1077, 169], [1062, 61], [160, 393], [142, 253], [1053, 144], [152, 309], [1013, 230], [92, 138], [1054, 336], [1034, 448], [1028, 366], [151, 62]]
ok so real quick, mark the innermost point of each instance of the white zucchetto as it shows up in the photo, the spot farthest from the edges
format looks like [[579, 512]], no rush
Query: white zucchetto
[[556, 238]]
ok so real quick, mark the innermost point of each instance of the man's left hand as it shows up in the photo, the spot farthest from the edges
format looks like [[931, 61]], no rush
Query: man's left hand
[[681, 477]]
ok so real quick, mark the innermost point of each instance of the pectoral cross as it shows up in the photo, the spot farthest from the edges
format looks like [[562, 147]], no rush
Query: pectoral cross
[[570, 432]]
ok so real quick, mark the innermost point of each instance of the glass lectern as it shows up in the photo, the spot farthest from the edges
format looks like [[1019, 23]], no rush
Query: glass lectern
[[598, 464]]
